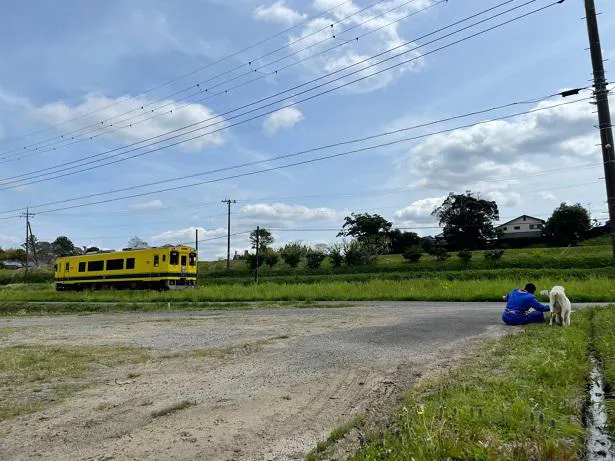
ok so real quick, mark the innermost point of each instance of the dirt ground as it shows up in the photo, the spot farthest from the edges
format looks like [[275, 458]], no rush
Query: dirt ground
[[265, 384]]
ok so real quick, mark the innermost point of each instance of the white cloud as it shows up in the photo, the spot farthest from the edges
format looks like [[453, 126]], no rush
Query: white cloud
[[137, 125], [384, 34], [282, 119], [493, 151], [278, 12], [547, 196], [280, 212], [187, 235], [420, 210], [152, 205]]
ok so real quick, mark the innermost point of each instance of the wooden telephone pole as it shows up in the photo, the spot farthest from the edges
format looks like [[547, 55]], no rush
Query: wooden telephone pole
[[604, 115]]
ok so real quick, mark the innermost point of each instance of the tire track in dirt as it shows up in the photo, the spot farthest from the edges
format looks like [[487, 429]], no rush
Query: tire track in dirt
[[269, 402]]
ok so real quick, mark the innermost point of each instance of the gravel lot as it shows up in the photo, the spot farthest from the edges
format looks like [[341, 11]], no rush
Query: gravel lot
[[281, 379]]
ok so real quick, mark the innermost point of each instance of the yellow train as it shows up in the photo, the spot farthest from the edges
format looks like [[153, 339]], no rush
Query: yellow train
[[166, 267]]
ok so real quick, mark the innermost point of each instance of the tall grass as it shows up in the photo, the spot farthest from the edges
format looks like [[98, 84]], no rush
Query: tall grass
[[428, 289]]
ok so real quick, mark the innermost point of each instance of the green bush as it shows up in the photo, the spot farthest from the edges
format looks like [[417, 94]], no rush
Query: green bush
[[412, 254], [494, 255], [465, 256], [358, 254]]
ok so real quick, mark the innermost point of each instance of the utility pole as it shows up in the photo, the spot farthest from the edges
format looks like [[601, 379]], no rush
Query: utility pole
[[27, 215], [258, 244], [604, 115], [196, 243], [228, 238]]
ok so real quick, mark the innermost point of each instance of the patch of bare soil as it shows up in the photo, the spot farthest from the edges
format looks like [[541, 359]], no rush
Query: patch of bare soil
[[269, 392]]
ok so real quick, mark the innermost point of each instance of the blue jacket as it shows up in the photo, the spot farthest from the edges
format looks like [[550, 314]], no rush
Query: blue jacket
[[518, 302]]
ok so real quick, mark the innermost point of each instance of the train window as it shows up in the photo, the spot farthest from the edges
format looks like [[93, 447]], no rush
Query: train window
[[184, 260], [156, 260], [82, 267], [130, 263], [55, 268], [164, 258], [67, 267], [193, 259], [174, 258], [95, 266], [115, 264]]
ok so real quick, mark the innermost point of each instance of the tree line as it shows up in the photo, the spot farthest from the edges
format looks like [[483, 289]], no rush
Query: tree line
[[467, 220], [43, 252]]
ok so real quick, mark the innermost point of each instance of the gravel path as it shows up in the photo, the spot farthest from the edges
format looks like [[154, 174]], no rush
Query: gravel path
[[284, 379]]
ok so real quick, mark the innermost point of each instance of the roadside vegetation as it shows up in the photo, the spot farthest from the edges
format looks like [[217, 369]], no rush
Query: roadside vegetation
[[522, 398], [425, 289]]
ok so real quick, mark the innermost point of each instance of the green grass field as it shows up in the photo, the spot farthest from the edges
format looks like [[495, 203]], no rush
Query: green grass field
[[427, 289], [594, 255]]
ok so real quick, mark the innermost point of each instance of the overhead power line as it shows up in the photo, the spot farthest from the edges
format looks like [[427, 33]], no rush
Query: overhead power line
[[252, 173], [188, 74], [31, 177]]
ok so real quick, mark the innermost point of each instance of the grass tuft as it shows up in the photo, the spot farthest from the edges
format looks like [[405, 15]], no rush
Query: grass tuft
[[173, 408]]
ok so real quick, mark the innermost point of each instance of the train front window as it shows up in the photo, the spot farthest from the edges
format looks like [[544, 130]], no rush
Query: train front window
[[193, 259], [67, 267], [184, 260], [174, 258], [130, 263], [82, 267]]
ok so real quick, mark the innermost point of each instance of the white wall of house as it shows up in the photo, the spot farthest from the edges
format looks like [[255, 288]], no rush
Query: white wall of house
[[522, 225]]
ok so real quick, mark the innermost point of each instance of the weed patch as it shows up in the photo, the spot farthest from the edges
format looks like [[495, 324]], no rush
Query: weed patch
[[33, 376]]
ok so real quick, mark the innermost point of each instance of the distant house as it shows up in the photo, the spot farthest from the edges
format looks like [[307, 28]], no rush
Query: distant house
[[524, 227]]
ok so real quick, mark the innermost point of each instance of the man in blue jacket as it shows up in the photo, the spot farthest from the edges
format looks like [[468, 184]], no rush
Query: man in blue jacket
[[518, 304]]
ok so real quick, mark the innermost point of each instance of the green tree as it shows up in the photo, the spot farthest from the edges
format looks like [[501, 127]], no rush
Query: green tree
[[2, 254], [251, 260], [62, 246], [136, 242], [15, 254], [292, 253], [568, 224], [400, 241], [265, 239], [314, 259], [467, 220], [335, 254], [271, 257], [364, 226]]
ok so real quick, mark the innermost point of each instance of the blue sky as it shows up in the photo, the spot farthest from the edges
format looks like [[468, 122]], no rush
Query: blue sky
[[73, 69]]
